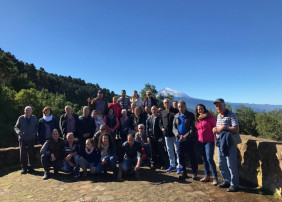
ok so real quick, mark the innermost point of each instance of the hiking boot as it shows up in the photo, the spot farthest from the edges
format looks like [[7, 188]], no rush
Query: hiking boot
[[205, 179], [23, 171], [171, 169]]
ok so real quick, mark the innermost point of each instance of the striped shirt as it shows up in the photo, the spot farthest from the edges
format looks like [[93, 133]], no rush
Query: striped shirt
[[228, 119]]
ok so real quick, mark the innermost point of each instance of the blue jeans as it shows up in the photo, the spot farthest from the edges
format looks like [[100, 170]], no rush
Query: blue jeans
[[111, 162], [171, 148], [228, 166], [128, 165], [74, 160], [207, 151], [84, 164]]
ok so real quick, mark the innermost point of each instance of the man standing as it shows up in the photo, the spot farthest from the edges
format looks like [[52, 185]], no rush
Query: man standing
[[130, 157], [166, 126], [227, 131], [26, 128], [99, 104], [150, 101], [155, 137], [124, 101], [185, 131], [68, 122]]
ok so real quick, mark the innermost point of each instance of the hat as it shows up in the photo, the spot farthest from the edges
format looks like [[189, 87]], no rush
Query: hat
[[219, 100], [100, 91]]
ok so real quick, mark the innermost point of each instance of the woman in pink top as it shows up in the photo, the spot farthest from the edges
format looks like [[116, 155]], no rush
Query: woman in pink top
[[205, 122]]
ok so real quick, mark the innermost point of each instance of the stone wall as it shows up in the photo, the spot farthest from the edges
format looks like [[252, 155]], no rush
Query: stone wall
[[260, 163], [11, 156]]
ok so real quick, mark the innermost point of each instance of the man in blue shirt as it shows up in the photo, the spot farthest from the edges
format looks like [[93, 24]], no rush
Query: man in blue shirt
[[185, 131]]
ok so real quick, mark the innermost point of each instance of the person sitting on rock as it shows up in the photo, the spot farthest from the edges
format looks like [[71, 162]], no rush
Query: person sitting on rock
[[51, 154], [130, 157], [89, 157], [71, 150]]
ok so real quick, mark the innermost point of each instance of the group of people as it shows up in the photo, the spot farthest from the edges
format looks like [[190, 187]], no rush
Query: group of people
[[131, 132]]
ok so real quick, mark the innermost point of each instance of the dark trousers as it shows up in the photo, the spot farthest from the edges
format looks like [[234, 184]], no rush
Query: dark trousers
[[46, 163], [157, 148], [26, 153], [187, 147]]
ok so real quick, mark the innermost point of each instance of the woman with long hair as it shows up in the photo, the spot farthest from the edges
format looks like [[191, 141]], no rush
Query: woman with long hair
[[108, 153], [205, 122]]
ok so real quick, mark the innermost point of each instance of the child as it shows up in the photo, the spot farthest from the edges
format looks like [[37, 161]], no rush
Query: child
[[89, 157]]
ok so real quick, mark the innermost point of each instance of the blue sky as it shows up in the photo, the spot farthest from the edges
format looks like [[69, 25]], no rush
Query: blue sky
[[206, 49]]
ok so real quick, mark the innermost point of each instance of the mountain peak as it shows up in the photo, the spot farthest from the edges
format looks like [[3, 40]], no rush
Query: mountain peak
[[175, 93]]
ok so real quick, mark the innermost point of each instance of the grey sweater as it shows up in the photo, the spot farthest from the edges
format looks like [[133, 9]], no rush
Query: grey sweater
[[26, 130]]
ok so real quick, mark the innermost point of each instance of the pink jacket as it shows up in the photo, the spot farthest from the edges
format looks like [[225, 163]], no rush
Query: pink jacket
[[205, 127]]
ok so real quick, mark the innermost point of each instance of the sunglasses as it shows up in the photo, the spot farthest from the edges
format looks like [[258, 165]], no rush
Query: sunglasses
[[103, 129], [140, 128]]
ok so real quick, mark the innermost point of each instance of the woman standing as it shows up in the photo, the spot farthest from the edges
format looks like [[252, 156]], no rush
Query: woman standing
[[205, 122], [136, 99], [111, 123], [46, 125]]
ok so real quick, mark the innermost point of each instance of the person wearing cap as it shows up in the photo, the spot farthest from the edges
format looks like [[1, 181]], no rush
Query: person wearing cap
[[99, 104], [227, 134], [124, 101]]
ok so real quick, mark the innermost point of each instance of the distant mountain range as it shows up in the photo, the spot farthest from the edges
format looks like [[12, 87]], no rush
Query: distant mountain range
[[193, 102]]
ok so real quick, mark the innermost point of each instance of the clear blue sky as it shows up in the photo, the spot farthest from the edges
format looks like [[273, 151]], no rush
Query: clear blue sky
[[206, 49]]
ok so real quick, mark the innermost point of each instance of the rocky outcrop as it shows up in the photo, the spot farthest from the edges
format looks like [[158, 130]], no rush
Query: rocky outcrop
[[260, 163]]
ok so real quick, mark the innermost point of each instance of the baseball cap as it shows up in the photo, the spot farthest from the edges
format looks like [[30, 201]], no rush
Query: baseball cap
[[219, 100], [100, 91]]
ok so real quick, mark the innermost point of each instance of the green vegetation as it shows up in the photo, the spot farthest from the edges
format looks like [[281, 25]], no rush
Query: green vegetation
[[22, 84]]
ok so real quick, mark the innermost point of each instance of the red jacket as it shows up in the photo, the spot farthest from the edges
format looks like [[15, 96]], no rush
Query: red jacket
[[117, 109], [205, 127]]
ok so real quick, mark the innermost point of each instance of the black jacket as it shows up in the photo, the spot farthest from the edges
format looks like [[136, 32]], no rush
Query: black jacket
[[153, 131], [153, 102], [63, 123], [86, 125], [167, 122]]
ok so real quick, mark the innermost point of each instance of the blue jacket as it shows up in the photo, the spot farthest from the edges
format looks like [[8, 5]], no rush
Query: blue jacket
[[224, 142]]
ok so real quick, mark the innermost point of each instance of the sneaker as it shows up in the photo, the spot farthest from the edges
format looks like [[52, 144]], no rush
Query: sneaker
[[205, 179], [77, 175], [23, 171], [194, 176], [45, 176], [178, 171], [224, 185], [171, 168], [233, 189]]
